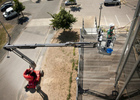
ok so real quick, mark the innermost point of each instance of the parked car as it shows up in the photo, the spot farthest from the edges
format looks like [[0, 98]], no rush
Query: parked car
[[9, 13], [5, 6], [70, 3], [117, 2]]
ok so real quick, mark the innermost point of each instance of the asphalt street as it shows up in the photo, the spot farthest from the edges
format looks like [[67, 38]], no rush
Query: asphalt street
[[39, 10], [37, 31]]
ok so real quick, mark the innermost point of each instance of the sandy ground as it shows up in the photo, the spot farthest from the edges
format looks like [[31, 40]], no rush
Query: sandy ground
[[59, 65]]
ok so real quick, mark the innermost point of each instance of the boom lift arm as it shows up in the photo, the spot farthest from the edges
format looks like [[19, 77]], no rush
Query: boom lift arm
[[13, 48]]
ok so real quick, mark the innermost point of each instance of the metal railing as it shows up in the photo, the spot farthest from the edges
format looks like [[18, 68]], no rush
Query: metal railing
[[80, 67]]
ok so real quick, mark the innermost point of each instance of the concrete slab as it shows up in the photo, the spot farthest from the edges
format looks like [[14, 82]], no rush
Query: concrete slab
[[39, 22], [88, 21]]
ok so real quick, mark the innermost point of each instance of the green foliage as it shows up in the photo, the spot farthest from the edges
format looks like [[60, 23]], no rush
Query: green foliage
[[0, 1], [72, 0], [76, 68], [73, 64], [70, 81], [69, 96], [73, 51], [127, 30], [63, 19], [18, 7], [77, 62]]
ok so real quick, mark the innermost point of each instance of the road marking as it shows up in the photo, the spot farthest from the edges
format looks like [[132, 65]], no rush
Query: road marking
[[23, 0], [105, 21], [117, 20], [128, 18]]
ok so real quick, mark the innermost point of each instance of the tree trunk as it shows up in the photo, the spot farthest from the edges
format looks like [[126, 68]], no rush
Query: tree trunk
[[18, 17], [22, 14]]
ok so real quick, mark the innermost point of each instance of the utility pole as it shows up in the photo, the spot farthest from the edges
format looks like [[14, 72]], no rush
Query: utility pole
[[100, 13]]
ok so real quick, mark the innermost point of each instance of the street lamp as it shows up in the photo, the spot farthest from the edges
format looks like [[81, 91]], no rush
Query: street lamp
[[100, 13], [7, 33]]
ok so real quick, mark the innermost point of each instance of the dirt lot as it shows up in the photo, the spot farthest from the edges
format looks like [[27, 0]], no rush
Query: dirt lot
[[59, 65]]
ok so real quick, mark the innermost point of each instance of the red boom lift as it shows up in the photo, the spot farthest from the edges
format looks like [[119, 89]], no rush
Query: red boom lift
[[32, 76]]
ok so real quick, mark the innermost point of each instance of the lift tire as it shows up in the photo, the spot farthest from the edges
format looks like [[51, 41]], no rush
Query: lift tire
[[105, 4], [26, 89], [38, 88], [41, 73]]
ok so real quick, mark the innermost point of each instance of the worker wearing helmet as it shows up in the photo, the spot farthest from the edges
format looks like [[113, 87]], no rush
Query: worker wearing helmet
[[110, 34]]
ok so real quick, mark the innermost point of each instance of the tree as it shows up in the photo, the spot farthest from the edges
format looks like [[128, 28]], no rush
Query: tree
[[63, 19], [18, 7]]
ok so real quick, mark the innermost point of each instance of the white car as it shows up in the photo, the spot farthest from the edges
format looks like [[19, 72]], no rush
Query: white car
[[9, 13], [70, 3], [106, 2]]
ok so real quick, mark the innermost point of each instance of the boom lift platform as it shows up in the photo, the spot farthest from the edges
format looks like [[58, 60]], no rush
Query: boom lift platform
[[101, 46], [98, 35]]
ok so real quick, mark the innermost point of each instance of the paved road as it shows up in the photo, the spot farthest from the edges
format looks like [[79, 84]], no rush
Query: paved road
[[36, 31], [110, 14], [39, 10]]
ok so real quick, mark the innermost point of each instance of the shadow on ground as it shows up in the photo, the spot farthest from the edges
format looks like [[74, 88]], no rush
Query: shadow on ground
[[109, 5], [98, 94], [42, 93], [22, 20], [74, 9], [68, 36], [38, 1], [31, 90], [113, 5]]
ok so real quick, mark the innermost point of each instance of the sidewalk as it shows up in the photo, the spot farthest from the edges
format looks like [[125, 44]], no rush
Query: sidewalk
[[31, 34]]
